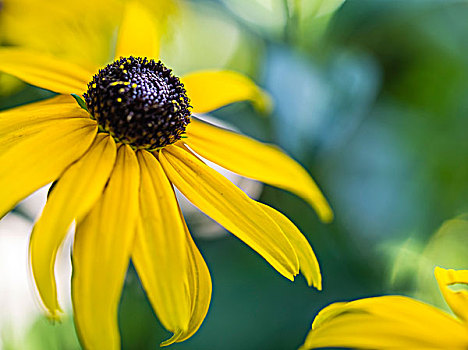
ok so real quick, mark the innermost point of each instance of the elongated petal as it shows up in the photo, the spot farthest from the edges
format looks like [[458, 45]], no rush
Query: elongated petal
[[72, 197], [138, 34], [308, 263], [36, 160], [200, 288], [44, 71], [24, 110], [218, 198], [18, 121], [102, 248], [390, 322], [161, 252], [211, 89], [457, 300], [256, 160]]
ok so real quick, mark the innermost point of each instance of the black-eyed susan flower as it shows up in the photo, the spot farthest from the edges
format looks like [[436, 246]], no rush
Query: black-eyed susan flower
[[396, 322], [115, 153]]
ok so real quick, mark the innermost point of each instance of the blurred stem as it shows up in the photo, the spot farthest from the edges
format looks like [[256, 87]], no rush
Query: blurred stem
[[291, 12]]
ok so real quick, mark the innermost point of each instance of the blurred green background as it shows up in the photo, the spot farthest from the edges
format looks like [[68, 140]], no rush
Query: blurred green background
[[373, 100]]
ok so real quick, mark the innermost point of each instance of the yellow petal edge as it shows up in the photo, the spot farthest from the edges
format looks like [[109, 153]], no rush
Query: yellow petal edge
[[220, 199], [256, 160], [212, 89], [72, 197]]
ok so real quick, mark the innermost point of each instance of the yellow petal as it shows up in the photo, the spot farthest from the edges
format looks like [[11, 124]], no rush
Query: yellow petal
[[138, 34], [200, 288], [308, 263], [256, 160], [390, 322], [218, 198], [72, 197], [34, 161], [457, 300], [23, 110], [24, 120], [44, 71], [101, 253], [211, 89], [160, 254]]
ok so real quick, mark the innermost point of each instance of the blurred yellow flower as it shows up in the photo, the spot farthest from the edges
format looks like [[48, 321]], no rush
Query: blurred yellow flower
[[82, 31], [115, 156], [396, 322]]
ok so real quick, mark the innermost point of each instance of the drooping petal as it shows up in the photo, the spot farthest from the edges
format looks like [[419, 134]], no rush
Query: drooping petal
[[72, 197], [139, 34], [389, 322], [211, 89], [34, 161], [256, 160], [44, 71], [161, 253], [200, 288], [101, 253], [457, 300], [308, 263], [225, 203]]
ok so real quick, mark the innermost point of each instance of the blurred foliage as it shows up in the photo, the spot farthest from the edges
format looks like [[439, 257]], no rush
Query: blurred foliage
[[446, 248], [43, 335], [372, 100]]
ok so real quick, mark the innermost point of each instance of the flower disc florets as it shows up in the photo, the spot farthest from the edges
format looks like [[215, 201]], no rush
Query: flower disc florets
[[139, 102]]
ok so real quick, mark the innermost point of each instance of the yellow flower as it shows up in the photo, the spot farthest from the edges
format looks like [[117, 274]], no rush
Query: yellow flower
[[396, 322], [70, 31], [115, 157]]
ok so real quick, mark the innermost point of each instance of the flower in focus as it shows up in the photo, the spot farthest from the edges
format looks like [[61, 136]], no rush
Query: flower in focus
[[396, 322], [114, 150]]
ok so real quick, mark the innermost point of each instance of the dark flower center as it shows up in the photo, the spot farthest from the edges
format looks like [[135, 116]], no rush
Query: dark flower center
[[139, 102]]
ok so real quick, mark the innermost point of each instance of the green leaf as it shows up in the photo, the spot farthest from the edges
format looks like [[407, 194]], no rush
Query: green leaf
[[80, 101]]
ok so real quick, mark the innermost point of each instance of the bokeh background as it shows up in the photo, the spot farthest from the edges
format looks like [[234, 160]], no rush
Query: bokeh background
[[371, 96]]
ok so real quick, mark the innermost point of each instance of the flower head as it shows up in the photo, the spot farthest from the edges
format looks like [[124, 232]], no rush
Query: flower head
[[139, 102], [396, 322], [115, 158]]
